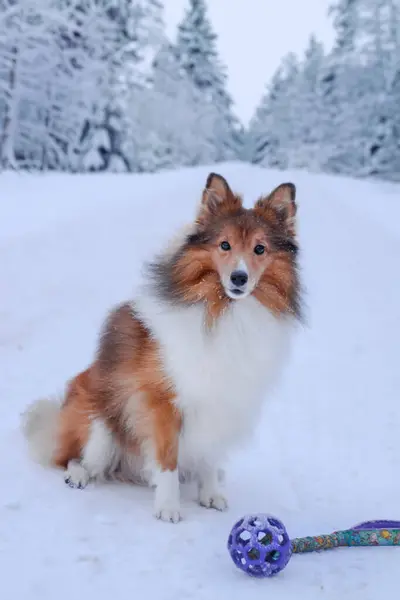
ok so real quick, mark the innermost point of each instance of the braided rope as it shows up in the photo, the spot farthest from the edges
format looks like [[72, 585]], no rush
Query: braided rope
[[372, 533]]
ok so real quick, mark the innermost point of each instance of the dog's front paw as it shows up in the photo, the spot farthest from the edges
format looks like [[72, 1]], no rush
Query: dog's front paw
[[169, 514], [76, 476], [213, 500], [167, 504]]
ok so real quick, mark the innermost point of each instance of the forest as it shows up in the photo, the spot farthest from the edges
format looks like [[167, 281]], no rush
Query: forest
[[97, 85]]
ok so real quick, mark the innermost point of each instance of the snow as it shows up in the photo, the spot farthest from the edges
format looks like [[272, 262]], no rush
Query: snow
[[326, 455]]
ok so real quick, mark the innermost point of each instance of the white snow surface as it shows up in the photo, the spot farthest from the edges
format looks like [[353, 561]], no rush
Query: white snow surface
[[326, 454]]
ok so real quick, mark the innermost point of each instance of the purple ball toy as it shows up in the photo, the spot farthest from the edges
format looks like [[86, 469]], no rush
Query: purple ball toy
[[260, 545]]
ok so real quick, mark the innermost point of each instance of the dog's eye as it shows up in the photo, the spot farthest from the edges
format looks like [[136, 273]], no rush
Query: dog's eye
[[225, 246], [259, 249]]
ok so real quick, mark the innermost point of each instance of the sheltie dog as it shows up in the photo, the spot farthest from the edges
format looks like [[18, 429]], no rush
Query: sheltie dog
[[181, 372]]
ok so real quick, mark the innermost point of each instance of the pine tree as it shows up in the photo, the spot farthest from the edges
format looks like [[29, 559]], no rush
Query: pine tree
[[157, 115], [382, 46], [57, 82], [196, 44], [271, 135], [171, 126], [9, 56], [309, 113], [138, 24], [346, 18], [339, 113], [359, 75], [197, 50], [337, 86], [87, 40], [32, 61]]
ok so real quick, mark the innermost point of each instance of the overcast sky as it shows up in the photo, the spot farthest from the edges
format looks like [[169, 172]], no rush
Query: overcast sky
[[253, 37]]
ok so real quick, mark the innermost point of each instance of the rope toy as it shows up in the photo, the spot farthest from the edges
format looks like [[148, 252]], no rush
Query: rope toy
[[260, 546]]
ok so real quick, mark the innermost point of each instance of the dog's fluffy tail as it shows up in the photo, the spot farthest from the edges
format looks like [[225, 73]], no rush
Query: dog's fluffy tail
[[39, 425]]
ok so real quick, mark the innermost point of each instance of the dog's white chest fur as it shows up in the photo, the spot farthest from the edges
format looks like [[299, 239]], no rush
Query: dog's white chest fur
[[221, 376]]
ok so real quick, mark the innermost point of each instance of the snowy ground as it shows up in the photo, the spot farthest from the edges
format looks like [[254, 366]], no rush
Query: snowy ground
[[327, 454]]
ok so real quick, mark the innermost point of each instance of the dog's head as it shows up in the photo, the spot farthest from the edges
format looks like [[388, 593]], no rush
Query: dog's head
[[232, 252]]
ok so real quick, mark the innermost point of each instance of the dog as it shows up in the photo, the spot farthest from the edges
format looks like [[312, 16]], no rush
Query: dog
[[181, 373]]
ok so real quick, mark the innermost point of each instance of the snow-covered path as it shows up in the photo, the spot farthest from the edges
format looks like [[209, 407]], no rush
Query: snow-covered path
[[326, 455]]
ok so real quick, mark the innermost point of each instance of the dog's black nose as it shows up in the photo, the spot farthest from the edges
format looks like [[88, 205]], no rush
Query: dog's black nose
[[239, 278]]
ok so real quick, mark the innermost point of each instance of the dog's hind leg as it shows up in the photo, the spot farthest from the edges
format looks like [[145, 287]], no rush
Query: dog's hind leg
[[100, 456]]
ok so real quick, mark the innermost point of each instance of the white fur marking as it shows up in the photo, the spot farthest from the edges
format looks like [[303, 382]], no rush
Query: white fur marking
[[210, 493], [242, 266], [100, 453], [100, 457], [246, 289], [76, 476], [220, 376], [167, 496], [130, 468]]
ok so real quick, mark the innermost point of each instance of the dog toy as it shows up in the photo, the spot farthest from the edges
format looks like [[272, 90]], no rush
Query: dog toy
[[260, 546]]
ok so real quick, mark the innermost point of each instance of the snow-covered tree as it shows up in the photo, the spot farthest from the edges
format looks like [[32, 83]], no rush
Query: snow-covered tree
[[340, 112], [138, 28], [307, 110], [381, 46], [90, 85], [54, 55], [346, 19], [271, 131], [196, 43], [9, 57], [198, 54], [170, 126], [358, 77], [67, 70], [88, 42]]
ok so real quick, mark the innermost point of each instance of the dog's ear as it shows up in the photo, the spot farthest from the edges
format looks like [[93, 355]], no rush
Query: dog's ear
[[280, 206], [217, 198], [217, 185]]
